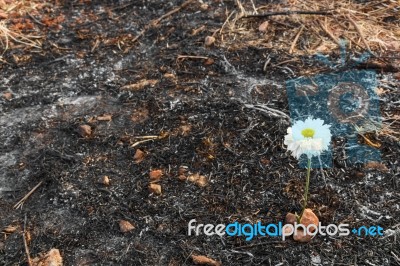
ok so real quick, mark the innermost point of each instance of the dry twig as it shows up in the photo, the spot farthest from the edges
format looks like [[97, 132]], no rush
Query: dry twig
[[268, 110], [28, 257], [330, 34], [296, 39], [287, 13], [360, 33], [182, 57], [146, 139], [20, 203]]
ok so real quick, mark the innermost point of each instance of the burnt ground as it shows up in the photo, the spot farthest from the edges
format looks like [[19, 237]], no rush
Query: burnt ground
[[196, 106]]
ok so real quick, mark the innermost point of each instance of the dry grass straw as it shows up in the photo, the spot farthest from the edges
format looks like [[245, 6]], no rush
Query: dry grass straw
[[14, 10], [370, 26], [374, 26]]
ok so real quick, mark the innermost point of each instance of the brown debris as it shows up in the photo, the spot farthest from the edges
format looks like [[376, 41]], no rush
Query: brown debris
[[204, 7], [185, 175], [169, 76], [209, 41], [139, 156], [105, 180], [28, 237], [125, 226], [265, 161], [203, 260], [85, 131], [104, 117], [53, 22], [9, 229], [290, 218], [185, 129], [182, 177], [155, 175], [140, 85], [208, 62], [183, 170], [380, 91], [3, 15], [359, 174], [377, 166], [196, 31], [8, 96], [263, 26], [198, 179], [193, 178], [140, 115], [51, 258], [202, 181], [155, 188]]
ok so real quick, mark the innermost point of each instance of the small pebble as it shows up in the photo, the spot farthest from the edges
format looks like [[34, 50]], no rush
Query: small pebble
[[307, 218]]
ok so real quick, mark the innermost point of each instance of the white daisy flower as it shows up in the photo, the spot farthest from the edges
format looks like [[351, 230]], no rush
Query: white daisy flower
[[310, 137]]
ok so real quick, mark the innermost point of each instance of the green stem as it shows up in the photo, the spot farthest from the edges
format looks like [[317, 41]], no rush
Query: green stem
[[307, 186]]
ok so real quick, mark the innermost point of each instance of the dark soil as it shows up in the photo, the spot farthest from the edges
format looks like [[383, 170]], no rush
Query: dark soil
[[198, 110]]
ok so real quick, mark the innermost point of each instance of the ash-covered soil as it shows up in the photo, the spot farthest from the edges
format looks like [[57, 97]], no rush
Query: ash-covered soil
[[191, 112]]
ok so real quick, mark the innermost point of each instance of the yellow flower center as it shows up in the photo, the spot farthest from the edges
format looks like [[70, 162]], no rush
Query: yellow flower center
[[308, 132]]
